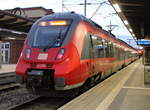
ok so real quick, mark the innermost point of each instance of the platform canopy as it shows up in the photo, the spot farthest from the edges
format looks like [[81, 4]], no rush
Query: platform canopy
[[136, 16], [13, 25]]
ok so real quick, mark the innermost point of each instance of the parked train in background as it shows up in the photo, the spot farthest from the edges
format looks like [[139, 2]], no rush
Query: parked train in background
[[64, 51]]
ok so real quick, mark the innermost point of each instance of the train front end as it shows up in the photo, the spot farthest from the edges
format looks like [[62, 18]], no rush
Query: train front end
[[49, 60]]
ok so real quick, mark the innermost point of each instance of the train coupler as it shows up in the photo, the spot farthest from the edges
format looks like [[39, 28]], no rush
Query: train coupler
[[34, 78]]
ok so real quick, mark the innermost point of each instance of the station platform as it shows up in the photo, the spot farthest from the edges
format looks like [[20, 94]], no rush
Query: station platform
[[125, 90], [8, 68]]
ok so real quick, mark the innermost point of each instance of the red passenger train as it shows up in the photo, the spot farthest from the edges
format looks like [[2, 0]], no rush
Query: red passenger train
[[64, 51]]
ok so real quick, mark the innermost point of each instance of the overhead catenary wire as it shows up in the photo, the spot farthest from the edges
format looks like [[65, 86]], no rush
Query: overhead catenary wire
[[105, 11], [85, 4], [66, 8], [97, 10], [22, 2], [64, 5]]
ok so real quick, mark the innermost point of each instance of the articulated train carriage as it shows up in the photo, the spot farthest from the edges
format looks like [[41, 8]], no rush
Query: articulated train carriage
[[65, 51]]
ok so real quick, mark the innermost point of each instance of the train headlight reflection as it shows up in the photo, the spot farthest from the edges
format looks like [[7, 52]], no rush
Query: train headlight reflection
[[28, 53]]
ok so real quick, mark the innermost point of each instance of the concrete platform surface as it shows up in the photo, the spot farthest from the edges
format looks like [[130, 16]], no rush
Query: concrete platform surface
[[124, 90], [8, 68]]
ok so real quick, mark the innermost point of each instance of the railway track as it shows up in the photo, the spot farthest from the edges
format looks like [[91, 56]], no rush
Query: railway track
[[16, 97], [7, 78], [44, 104], [7, 81], [11, 93], [22, 99], [13, 96]]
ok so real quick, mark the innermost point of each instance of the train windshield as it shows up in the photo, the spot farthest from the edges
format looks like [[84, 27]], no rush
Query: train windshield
[[48, 34]]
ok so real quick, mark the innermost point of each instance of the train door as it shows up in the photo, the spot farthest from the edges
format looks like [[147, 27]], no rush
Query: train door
[[92, 66], [92, 50], [94, 53], [125, 56], [116, 56], [87, 53]]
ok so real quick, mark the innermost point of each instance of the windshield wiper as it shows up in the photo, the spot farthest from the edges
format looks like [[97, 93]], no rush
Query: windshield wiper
[[56, 40]]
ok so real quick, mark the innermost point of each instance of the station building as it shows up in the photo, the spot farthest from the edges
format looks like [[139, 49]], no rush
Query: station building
[[11, 46]]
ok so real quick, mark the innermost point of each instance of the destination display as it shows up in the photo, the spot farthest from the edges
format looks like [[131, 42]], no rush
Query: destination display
[[143, 42]]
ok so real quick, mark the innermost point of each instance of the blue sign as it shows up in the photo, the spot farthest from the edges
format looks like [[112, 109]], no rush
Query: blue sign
[[143, 42]]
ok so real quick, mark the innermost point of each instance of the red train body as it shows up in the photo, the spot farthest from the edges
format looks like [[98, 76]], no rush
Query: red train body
[[65, 50]]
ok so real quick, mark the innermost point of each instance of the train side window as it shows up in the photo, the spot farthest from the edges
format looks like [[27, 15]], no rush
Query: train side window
[[122, 54], [111, 49], [117, 52], [101, 49], [98, 47], [87, 47], [107, 49], [94, 44]]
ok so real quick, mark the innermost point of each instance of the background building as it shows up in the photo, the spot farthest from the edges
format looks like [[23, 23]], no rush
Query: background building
[[31, 13], [11, 47]]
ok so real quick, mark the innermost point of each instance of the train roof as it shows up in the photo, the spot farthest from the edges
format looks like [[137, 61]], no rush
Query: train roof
[[123, 42], [65, 15], [69, 15]]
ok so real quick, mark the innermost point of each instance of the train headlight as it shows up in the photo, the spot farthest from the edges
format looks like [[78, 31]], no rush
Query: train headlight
[[60, 54], [28, 53]]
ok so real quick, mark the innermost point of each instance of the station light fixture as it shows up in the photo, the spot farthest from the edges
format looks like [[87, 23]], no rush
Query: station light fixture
[[125, 22], [16, 32], [12, 38], [125, 49], [133, 35], [103, 40], [94, 37], [140, 47], [117, 8], [135, 38], [130, 30]]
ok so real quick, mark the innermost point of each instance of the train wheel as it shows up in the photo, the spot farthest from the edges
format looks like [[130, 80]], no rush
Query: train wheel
[[91, 82], [88, 84], [83, 89], [98, 78]]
